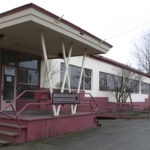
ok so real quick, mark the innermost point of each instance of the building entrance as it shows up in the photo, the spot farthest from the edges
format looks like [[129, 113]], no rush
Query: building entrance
[[18, 72], [9, 84]]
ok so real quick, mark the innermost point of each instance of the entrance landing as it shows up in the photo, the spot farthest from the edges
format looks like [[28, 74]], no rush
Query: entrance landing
[[41, 124]]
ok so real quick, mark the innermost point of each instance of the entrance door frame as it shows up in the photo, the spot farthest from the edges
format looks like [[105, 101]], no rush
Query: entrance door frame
[[3, 103]]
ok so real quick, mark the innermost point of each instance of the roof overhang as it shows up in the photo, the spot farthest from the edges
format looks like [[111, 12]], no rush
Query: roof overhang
[[20, 30]]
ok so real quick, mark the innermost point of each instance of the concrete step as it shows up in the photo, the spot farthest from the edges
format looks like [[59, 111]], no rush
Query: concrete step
[[8, 133], [3, 142], [10, 125]]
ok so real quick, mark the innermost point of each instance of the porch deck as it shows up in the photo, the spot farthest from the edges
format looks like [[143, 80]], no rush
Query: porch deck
[[42, 124], [41, 114]]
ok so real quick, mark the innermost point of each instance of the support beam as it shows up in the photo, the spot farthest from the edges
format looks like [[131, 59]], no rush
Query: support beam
[[74, 107], [66, 62], [46, 63], [81, 73], [56, 110], [48, 71]]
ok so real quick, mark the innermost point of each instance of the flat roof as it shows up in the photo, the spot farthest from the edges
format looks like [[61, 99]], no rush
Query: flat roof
[[21, 29]]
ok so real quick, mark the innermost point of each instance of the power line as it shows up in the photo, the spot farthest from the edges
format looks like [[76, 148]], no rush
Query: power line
[[126, 31]]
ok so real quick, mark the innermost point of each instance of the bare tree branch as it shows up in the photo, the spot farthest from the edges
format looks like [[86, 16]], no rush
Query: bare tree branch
[[142, 53], [125, 83]]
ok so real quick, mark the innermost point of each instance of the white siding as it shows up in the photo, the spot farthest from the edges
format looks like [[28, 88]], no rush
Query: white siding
[[96, 66]]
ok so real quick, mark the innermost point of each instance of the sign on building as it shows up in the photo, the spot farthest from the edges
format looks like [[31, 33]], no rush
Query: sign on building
[[66, 98]]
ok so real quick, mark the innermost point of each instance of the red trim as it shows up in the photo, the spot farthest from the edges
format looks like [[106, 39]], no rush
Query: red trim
[[0, 78], [53, 16], [115, 63], [17, 67]]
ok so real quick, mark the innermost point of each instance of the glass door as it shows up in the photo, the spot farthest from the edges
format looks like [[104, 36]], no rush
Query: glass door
[[9, 85]]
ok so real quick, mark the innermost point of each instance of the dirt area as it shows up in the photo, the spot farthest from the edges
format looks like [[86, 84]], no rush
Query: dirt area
[[113, 134]]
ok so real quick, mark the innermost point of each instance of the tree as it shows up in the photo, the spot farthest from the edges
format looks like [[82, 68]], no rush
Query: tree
[[142, 53], [125, 83]]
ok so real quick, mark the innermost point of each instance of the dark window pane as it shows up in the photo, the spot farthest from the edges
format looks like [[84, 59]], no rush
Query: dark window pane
[[28, 76], [103, 81], [145, 88], [9, 58], [86, 79], [117, 83], [8, 83], [27, 61], [110, 82], [133, 86], [87, 72], [87, 83], [74, 74]]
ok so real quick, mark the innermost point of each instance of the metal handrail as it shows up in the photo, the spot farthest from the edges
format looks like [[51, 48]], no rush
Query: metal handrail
[[124, 107], [93, 100], [28, 104], [15, 100]]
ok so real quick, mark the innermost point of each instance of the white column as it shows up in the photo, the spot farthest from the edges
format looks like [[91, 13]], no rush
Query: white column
[[66, 62], [48, 71], [74, 107], [46, 63], [81, 73]]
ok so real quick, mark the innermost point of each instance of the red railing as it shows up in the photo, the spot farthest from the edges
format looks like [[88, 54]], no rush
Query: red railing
[[11, 104], [122, 109], [95, 107]]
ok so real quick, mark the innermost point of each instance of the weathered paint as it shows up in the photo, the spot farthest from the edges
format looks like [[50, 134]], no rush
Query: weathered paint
[[37, 127]]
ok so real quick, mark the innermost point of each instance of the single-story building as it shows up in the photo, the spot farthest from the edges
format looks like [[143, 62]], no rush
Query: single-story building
[[29, 35], [97, 68], [45, 62]]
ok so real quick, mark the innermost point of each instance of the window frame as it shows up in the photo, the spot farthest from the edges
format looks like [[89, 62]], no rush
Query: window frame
[[69, 70], [3, 51], [110, 89]]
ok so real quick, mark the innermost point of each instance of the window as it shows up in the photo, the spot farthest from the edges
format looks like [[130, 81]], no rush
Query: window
[[133, 85], [74, 74], [145, 88], [28, 73], [86, 79], [27, 61], [110, 82], [27, 68], [107, 81], [103, 81], [9, 58], [28, 76]]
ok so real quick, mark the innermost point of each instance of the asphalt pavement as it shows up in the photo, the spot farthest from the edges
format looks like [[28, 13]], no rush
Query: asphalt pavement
[[112, 135]]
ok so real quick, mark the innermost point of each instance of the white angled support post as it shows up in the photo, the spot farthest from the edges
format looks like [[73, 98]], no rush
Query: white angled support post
[[55, 112], [81, 73], [66, 62], [74, 107]]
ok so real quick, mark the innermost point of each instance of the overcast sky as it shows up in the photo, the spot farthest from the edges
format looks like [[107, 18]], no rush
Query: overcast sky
[[119, 22]]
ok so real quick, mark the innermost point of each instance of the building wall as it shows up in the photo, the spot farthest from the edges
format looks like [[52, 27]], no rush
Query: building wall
[[0, 77], [96, 66]]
